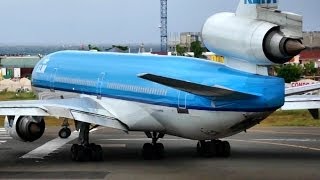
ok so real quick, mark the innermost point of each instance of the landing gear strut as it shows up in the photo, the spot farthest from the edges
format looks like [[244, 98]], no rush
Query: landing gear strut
[[65, 131], [84, 151], [213, 148], [153, 150]]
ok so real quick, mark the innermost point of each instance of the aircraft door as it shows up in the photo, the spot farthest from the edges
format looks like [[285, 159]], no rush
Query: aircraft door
[[182, 100], [52, 79], [100, 84]]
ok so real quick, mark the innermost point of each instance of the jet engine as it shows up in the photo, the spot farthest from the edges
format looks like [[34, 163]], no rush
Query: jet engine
[[25, 128], [254, 40]]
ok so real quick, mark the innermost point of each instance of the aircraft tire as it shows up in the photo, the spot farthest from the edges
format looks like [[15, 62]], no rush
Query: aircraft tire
[[64, 133], [226, 149], [96, 152], [147, 151], [200, 149], [158, 151], [74, 152]]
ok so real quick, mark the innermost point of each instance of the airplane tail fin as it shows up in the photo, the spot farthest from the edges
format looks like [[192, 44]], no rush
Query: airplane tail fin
[[267, 10], [251, 8]]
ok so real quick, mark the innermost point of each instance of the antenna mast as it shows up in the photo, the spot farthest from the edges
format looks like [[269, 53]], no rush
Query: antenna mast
[[163, 28]]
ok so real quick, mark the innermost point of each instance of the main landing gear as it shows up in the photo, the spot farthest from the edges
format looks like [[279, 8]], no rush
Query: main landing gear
[[85, 151], [153, 150], [213, 148], [65, 131]]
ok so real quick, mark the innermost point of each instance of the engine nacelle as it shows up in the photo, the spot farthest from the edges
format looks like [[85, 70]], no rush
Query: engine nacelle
[[256, 41], [25, 128]]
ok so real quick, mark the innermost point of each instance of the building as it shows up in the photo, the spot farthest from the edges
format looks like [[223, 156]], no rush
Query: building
[[312, 39], [17, 67], [186, 38]]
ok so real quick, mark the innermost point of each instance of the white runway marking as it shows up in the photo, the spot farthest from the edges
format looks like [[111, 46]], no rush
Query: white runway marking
[[284, 132], [114, 145], [144, 139], [50, 147], [289, 140], [4, 136], [277, 144]]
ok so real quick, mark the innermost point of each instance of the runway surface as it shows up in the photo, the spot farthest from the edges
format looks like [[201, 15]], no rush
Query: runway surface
[[261, 153]]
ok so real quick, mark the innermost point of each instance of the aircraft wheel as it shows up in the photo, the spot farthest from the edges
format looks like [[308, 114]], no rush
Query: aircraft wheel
[[213, 148], [158, 151], [147, 151], [219, 148], [226, 149], [74, 151], [200, 149], [96, 152], [64, 133], [210, 149]]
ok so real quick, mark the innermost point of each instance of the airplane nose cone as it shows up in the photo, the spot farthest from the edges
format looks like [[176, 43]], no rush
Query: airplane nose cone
[[293, 47]]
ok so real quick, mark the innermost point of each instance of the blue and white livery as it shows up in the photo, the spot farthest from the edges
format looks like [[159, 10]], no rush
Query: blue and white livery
[[158, 95]]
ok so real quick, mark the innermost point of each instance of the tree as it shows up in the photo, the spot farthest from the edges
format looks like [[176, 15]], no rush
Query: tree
[[290, 72], [309, 69], [122, 48], [90, 47], [180, 50], [197, 49]]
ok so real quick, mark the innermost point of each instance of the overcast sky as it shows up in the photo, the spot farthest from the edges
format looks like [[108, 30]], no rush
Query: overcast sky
[[117, 21]]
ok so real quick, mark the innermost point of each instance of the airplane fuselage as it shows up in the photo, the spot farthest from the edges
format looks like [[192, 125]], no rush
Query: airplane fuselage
[[113, 81]]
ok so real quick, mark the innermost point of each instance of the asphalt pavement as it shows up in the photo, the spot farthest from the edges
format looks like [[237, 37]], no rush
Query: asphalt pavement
[[261, 153]]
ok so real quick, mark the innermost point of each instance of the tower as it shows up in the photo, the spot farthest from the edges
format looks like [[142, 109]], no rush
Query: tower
[[163, 27]]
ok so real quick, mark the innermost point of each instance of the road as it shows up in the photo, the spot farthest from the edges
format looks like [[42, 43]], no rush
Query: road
[[261, 153]]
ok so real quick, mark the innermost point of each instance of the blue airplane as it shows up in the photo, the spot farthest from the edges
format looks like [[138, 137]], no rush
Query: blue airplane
[[185, 97]]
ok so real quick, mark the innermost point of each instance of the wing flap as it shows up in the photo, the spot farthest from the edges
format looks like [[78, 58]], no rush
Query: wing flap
[[98, 119], [197, 89]]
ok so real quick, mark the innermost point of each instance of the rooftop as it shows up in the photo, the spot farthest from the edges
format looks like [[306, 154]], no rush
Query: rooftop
[[19, 62]]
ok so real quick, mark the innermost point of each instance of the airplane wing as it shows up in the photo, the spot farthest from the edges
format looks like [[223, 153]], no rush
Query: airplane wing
[[81, 109], [294, 101], [301, 102], [301, 89], [197, 89]]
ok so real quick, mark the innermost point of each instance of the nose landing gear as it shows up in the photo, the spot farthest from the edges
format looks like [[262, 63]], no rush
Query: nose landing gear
[[65, 131]]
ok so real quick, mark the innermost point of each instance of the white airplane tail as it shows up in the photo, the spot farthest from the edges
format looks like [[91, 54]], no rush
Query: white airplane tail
[[257, 35]]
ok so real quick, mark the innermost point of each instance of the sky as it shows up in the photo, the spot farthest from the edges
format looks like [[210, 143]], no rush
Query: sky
[[32, 22]]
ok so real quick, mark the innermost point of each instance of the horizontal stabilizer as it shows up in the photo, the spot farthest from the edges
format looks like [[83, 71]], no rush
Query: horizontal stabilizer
[[197, 89], [301, 102], [302, 89]]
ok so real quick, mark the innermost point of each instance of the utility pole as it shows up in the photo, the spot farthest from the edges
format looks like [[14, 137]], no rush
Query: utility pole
[[163, 28]]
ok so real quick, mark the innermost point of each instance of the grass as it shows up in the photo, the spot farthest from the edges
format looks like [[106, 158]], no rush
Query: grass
[[279, 118], [11, 96], [291, 118]]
